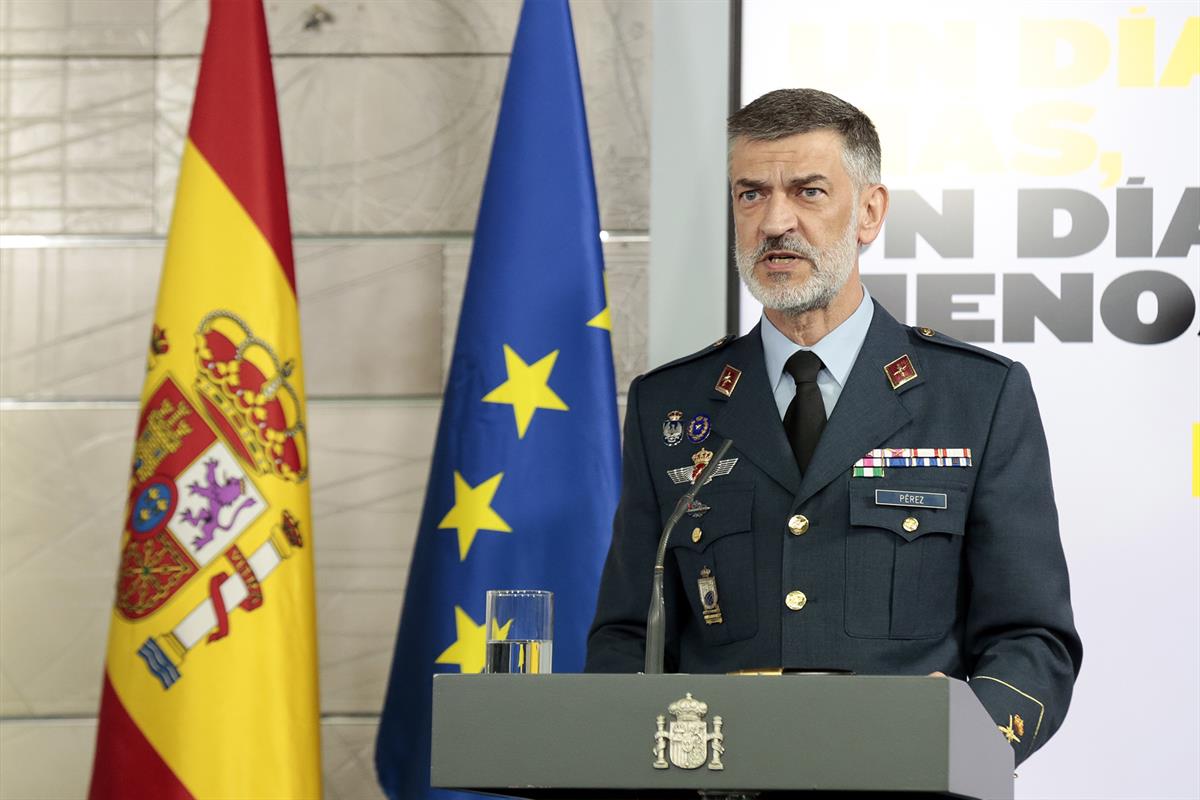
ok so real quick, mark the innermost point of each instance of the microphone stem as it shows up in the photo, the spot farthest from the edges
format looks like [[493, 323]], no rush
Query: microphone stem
[[656, 615]]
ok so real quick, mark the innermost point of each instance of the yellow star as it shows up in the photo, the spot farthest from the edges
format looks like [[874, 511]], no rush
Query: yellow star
[[603, 320], [468, 650], [473, 512], [527, 388]]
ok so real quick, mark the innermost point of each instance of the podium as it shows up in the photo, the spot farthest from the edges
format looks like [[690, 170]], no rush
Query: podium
[[715, 736]]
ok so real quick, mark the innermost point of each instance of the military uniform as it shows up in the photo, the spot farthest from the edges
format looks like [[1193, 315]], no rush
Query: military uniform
[[964, 574]]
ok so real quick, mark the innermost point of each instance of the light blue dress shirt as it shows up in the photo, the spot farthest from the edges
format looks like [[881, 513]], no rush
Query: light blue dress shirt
[[837, 350]]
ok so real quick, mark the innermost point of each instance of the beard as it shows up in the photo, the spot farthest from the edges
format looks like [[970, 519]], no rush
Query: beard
[[782, 291]]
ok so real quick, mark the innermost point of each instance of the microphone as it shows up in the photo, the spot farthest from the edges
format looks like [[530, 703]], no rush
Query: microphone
[[656, 616]]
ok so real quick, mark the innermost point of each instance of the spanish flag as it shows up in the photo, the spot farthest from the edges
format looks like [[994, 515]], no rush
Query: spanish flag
[[210, 686]]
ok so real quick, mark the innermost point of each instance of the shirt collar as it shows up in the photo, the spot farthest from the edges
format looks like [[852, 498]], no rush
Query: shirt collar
[[837, 350]]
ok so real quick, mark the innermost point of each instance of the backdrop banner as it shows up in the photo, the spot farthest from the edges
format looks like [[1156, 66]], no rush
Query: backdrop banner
[[1045, 204]]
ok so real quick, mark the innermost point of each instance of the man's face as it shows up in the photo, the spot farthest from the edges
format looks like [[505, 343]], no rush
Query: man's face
[[795, 214]]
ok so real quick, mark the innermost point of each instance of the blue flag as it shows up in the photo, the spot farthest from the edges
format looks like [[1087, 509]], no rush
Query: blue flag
[[526, 471]]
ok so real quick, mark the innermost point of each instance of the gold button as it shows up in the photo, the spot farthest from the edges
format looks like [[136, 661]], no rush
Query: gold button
[[911, 524], [795, 600], [925, 331], [798, 525], [696, 534]]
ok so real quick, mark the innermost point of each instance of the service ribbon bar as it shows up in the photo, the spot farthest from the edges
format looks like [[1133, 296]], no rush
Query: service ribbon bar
[[913, 462], [921, 452], [873, 463]]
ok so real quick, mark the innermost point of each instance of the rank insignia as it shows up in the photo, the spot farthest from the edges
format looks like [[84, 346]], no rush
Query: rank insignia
[[707, 585], [699, 460], [728, 380], [1015, 728], [900, 371], [698, 429], [673, 428]]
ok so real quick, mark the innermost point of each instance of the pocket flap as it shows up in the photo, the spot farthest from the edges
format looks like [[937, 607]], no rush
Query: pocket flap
[[869, 498], [729, 512]]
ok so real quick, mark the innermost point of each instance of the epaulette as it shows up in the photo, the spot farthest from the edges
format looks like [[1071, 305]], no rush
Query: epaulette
[[923, 334], [712, 348]]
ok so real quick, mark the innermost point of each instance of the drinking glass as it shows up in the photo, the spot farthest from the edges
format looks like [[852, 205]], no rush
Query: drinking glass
[[520, 631]]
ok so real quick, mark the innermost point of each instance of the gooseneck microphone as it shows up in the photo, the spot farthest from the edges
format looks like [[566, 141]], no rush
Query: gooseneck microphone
[[656, 616]]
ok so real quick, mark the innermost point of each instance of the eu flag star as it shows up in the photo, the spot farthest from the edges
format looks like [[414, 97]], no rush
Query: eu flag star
[[472, 511], [603, 320], [470, 644], [527, 388]]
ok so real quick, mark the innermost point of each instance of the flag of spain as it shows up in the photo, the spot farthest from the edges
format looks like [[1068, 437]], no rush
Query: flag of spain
[[210, 685]]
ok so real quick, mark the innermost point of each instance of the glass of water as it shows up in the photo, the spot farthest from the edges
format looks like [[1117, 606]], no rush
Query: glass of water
[[520, 631]]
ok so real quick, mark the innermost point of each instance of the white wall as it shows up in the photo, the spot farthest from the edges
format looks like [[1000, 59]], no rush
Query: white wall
[[687, 177]]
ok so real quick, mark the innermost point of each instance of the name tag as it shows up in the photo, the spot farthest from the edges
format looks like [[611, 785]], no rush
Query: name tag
[[887, 497]]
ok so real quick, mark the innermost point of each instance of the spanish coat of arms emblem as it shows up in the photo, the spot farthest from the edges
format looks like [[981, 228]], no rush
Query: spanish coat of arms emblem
[[201, 461], [688, 736]]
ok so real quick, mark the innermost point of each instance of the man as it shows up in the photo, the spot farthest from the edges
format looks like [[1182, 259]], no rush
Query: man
[[886, 507]]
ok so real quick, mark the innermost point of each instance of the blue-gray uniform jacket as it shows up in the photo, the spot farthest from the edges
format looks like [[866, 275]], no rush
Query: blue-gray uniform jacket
[[817, 571]]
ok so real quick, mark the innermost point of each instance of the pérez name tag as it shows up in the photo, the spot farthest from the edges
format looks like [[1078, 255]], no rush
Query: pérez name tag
[[889, 497]]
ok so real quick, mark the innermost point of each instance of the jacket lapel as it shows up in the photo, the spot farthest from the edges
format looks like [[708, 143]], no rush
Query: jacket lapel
[[749, 415], [869, 409]]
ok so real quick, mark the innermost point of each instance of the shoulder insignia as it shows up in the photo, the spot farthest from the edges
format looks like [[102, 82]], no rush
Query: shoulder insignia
[[924, 334], [900, 371], [712, 348], [728, 380]]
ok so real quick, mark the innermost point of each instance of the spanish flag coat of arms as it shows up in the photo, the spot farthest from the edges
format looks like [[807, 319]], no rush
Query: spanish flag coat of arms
[[210, 687]]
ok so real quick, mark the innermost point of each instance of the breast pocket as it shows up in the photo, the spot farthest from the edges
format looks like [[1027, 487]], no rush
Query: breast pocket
[[715, 552], [903, 561]]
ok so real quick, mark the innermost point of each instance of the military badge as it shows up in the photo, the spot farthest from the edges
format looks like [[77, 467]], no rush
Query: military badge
[[698, 429], [696, 509], [728, 380], [673, 428], [699, 459], [688, 736], [707, 585], [900, 371]]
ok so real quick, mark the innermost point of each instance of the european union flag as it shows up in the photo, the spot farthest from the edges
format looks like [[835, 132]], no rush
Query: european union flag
[[526, 472]]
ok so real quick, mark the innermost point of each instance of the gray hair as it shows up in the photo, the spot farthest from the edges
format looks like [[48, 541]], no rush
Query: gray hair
[[788, 112]]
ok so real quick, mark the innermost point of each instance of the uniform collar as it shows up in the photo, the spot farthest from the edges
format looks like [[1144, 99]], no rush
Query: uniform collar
[[837, 350]]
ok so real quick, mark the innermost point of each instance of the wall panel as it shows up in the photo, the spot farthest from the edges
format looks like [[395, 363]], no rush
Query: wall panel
[[387, 113]]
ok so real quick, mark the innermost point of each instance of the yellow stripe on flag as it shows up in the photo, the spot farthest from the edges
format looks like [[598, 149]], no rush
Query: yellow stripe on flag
[[1196, 459], [242, 720]]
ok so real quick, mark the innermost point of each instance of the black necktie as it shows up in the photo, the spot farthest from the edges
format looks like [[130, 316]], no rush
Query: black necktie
[[805, 417]]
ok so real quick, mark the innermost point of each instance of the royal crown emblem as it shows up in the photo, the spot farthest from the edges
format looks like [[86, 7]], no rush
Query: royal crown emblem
[[700, 460], [688, 736], [246, 393]]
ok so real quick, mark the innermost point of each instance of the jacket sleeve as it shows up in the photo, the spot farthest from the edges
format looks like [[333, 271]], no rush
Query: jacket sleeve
[[1022, 650], [617, 640]]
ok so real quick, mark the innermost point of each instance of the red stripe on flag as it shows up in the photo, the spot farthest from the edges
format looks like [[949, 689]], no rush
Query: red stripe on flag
[[235, 123], [126, 764]]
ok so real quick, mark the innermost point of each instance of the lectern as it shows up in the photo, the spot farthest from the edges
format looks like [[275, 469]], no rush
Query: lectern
[[715, 736]]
